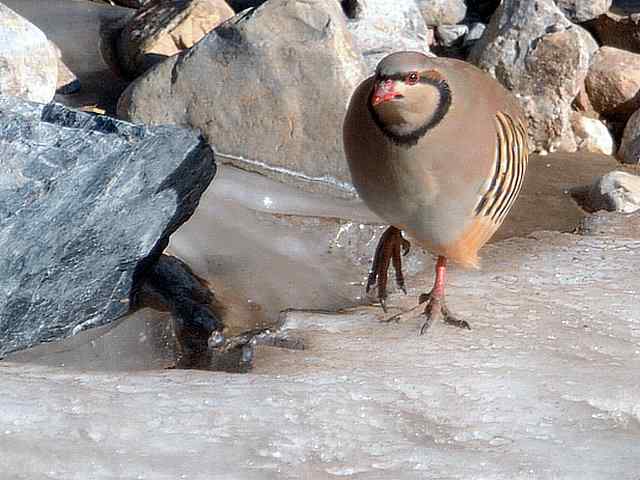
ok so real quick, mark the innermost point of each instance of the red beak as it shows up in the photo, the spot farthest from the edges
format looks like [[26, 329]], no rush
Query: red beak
[[383, 92]]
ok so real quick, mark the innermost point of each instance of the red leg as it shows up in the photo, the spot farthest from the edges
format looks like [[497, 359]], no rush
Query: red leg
[[435, 301]]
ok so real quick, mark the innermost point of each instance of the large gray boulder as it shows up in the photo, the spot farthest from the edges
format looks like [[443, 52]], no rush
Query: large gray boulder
[[87, 203], [269, 90], [535, 51], [28, 61]]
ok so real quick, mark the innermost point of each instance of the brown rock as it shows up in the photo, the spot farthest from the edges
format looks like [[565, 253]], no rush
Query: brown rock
[[163, 28], [582, 103], [613, 82], [619, 31]]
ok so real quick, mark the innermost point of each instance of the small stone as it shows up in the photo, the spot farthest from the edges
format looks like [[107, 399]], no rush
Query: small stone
[[592, 135], [216, 340], [476, 30], [450, 35], [615, 192]]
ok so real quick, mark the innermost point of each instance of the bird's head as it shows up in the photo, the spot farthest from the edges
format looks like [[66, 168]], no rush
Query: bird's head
[[409, 96]]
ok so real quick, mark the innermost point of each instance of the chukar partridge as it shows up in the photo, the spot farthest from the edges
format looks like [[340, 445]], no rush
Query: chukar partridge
[[438, 149]]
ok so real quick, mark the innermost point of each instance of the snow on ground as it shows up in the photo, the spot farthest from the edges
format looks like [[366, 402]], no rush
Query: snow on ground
[[545, 386]]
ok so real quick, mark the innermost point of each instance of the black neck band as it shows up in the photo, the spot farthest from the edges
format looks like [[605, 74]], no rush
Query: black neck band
[[412, 137]]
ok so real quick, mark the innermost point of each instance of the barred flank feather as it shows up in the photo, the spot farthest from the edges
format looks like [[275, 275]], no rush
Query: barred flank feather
[[509, 167]]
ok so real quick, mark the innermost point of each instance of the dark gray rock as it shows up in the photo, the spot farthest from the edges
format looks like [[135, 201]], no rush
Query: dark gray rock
[[239, 5], [626, 6], [171, 286], [481, 10], [87, 204], [132, 3]]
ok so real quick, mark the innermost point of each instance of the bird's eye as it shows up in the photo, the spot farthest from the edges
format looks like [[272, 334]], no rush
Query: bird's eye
[[412, 78]]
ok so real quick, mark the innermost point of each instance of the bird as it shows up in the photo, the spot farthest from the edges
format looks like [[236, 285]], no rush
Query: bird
[[438, 149]]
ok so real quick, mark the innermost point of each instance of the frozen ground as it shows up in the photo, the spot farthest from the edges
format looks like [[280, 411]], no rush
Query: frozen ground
[[545, 386]]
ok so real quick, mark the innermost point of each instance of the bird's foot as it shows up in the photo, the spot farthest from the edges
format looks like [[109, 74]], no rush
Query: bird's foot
[[436, 308], [237, 353], [391, 247]]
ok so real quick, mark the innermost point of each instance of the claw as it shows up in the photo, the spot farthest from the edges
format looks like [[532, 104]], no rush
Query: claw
[[391, 247], [436, 308], [383, 304]]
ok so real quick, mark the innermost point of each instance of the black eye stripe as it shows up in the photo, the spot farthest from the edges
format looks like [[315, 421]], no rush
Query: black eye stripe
[[422, 78]]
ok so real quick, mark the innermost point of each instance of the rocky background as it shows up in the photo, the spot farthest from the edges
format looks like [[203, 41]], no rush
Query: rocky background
[[254, 92]]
